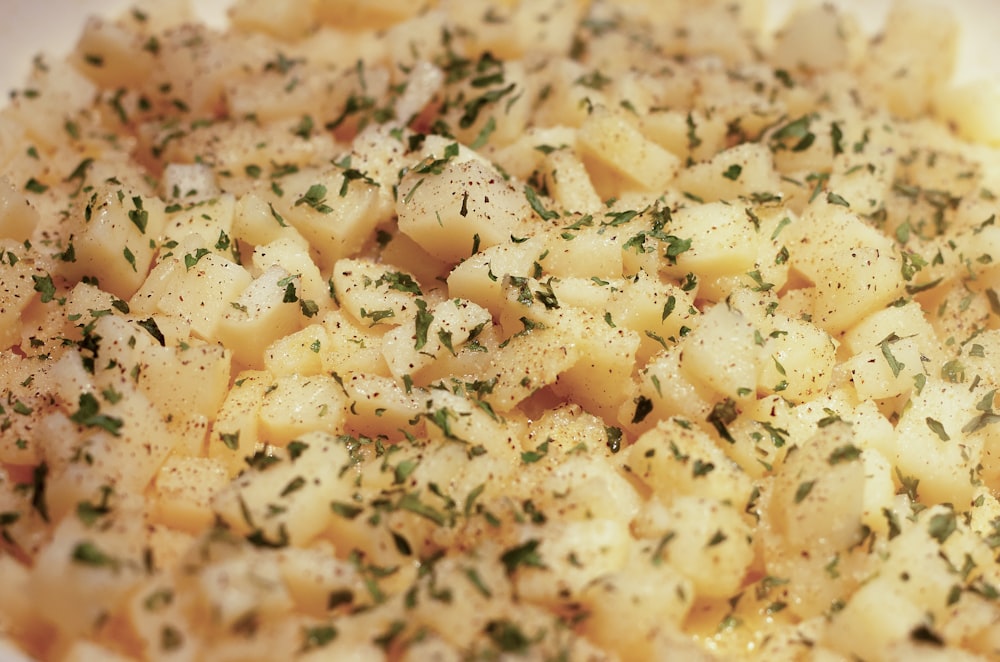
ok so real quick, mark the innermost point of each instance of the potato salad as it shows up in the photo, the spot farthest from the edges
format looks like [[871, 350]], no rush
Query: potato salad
[[468, 330]]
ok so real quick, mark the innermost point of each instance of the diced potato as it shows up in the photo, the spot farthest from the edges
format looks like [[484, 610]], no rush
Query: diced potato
[[601, 377], [256, 222], [292, 253], [817, 38], [313, 575], [802, 513], [18, 290], [666, 390], [480, 278], [582, 552], [458, 208], [111, 55], [886, 370], [874, 618], [61, 92], [797, 360], [627, 607], [716, 353], [289, 500], [263, 313], [739, 171], [722, 239], [613, 148], [710, 545], [195, 285], [286, 20], [111, 239], [826, 239], [333, 213], [351, 347], [83, 573], [374, 295], [185, 486], [446, 327], [676, 459], [233, 586], [237, 428], [18, 218], [586, 253], [932, 443], [569, 182], [967, 108], [194, 184], [916, 55], [379, 405], [692, 135], [183, 381], [297, 353], [300, 404]]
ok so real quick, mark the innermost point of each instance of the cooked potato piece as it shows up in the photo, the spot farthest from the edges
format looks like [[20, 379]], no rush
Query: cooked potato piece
[[496, 329]]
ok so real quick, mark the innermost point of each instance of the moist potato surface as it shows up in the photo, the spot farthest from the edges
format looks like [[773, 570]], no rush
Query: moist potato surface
[[554, 330]]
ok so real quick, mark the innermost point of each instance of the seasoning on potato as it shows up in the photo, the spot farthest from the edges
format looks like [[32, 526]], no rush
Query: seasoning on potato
[[556, 330]]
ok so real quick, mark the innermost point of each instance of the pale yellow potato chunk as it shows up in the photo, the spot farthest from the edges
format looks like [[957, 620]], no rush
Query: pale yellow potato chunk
[[722, 239], [299, 489], [299, 404], [18, 218], [720, 353], [265, 312], [612, 147], [465, 207], [111, 239], [186, 486]]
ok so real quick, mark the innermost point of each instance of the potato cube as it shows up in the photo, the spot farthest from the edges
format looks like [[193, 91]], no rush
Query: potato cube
[[480, 278], [195, 285], [742, 170], [465, 208], [710, 545], [18, 217], [289, 500], [932, 445], [446, 327], [111, 55], [721, 353], [263, 313], [379, 405], [628, 607], [587, 253], [797, 360], [236, 431], [210, 221], [17, 291], [256, 222], [723, 241], [374, 294], [299, 404], [297, 353], [350, 347], [675, 459], [334, 213], [112, 239], [292, 253], [602, 375], [875, 617], [185, 487], [182, 381], [286, 20], [612, 146]]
